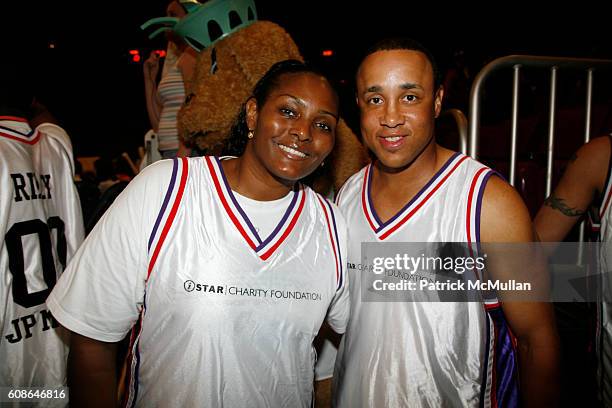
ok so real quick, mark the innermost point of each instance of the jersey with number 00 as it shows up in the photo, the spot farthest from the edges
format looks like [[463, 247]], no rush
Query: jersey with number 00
[[415, 353], [224, 317], [40, 227]]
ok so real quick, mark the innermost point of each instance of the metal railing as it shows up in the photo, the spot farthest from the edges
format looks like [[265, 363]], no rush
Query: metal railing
[[462, 127], [517, 62]]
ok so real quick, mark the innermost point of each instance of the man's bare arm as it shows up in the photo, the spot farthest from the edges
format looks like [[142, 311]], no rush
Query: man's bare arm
[[582, 180], [506, 219]]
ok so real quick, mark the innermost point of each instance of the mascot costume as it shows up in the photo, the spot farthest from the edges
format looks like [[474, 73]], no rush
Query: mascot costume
[[235, 50]]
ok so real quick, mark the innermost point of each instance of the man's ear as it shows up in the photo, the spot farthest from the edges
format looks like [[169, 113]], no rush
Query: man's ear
[[251, 113], [438, 101]]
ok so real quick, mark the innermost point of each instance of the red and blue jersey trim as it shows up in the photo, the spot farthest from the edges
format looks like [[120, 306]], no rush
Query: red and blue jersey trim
[[163, 223], [474, 205], [263, 248], [499, 385], [31, 137], [133, 360], [332, 230], [167, 213], [385, 229]]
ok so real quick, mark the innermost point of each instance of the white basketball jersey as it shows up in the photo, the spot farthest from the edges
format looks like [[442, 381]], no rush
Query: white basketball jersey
[[422, 354], [604, 313], [224, 317], [41, 227]]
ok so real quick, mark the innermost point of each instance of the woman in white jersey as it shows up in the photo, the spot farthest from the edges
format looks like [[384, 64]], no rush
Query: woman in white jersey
[[224, 270]]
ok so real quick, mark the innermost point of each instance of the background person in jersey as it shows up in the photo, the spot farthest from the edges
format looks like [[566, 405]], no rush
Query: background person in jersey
[[225, 269], [431, 354], [586, 182], [41, 227]]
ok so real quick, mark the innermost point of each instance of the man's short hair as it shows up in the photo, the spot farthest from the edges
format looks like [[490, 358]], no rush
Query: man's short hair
[[402, 43]]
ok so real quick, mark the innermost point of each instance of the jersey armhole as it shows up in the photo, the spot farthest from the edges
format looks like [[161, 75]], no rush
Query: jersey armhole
[[168, 210], [475, 197], [600, 194]]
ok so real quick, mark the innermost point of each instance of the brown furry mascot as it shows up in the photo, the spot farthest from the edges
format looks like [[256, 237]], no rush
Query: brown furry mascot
[[224, 77]]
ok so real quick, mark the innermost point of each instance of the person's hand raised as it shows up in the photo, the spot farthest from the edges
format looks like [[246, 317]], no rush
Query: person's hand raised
[[151, 66]]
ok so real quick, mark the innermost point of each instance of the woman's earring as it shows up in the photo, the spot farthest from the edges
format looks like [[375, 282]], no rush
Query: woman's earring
[[323, 164], [250, 134]]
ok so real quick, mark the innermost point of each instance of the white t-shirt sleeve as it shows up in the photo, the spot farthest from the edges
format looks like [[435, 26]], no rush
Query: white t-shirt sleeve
[[338, 312], [100, 294]]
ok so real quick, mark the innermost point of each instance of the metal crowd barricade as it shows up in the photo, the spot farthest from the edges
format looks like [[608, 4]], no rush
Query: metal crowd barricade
[[554, 65], [462, 127]]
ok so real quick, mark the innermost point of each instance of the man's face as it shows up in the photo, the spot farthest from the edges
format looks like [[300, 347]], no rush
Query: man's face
[[398, 105]]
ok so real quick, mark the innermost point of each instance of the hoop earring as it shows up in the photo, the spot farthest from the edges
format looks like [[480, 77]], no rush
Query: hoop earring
[[251, 134]]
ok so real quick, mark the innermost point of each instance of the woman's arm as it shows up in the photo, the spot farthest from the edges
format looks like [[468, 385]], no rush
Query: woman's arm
[[92, 372], [150, 70]]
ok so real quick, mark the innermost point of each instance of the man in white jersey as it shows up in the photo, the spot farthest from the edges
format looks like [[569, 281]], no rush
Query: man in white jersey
[[587, 182], [225, 269], [431, 354], [41, 227]]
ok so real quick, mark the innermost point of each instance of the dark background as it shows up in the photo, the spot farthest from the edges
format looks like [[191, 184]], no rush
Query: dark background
[[89, 82]]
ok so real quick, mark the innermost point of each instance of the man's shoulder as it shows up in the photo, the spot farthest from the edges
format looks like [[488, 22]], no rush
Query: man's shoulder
[[591, 163], [57, 133], [449, 160], [499, 191], [503, 214], [505, 217], [352, 185], [597, 147]]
